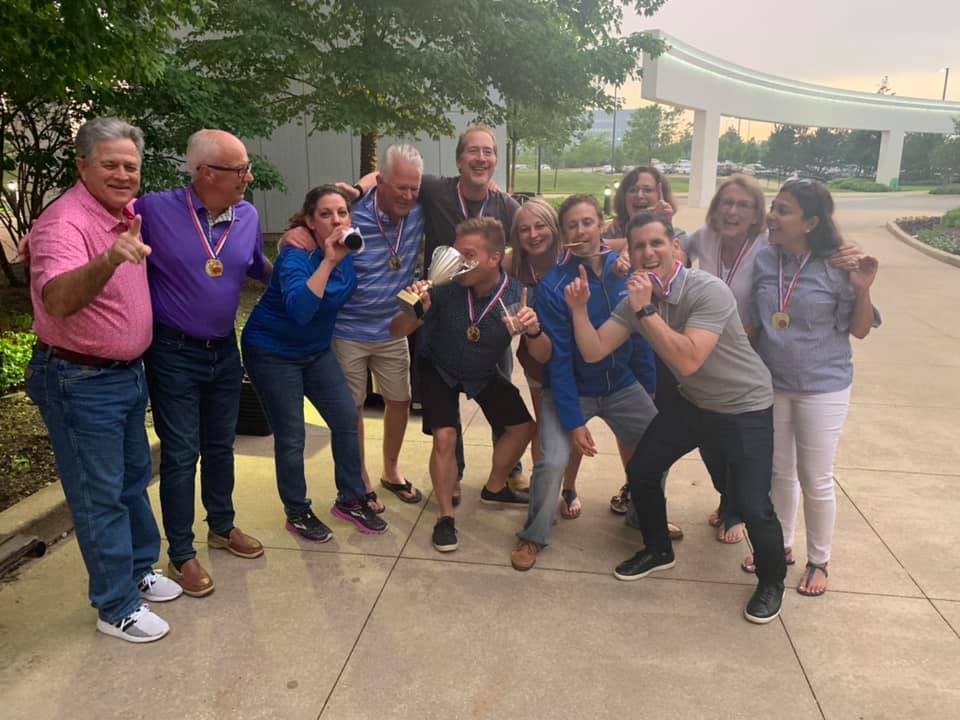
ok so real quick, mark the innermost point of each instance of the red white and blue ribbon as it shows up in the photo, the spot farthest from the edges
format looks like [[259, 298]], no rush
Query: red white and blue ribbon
[[472, 309], [737, 262], [783, 296], [665, 288], [463, 203], [394, 246], [213, 252]]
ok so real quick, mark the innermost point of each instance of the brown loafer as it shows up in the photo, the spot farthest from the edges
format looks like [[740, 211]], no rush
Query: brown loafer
[[195, 581], [239, 543]]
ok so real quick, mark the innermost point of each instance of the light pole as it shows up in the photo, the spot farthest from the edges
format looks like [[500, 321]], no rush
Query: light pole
[[613, 138], [946, 77]]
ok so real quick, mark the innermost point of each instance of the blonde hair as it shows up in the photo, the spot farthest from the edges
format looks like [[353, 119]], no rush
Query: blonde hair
[[751, 187], [544, 212]]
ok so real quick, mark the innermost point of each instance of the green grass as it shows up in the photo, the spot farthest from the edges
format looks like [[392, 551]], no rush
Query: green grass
[[568, 182]]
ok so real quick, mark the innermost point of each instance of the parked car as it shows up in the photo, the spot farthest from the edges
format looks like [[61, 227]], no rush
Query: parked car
[[545, 167]]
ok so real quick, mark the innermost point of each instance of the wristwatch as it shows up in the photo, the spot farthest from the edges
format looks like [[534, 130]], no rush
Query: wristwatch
[[534, 336], [646, 311]]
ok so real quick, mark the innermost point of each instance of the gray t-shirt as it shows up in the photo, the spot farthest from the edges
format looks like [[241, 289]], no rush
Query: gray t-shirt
[[733, 378]]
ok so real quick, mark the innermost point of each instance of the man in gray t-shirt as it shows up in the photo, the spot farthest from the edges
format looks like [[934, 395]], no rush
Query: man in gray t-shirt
[[725, 402]]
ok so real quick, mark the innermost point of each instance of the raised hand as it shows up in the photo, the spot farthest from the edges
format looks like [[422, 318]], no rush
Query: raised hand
[[864, 274], [846, 257], [128, 247], [577, 293], [421, 288], [333, 248], [527, 316], [639, 290], [622, 266]]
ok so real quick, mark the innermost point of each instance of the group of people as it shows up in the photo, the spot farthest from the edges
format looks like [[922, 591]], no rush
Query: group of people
[[746, 357]]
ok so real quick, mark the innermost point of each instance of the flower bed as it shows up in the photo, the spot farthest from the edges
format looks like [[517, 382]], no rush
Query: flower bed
[[933, 232]]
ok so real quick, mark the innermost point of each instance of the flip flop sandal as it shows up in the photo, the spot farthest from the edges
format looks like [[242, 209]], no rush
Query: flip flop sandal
[[721, 535], [567, 511], [620, 501], [808, 576], [749, 566], [405, 487], [715, 519], [674, 531], [371, 497]]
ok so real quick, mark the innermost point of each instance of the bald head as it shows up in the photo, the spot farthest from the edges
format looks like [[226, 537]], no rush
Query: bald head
[[207, 146], [220, 168]]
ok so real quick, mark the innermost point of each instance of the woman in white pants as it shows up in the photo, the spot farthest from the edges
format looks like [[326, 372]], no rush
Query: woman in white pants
[[805, 311]]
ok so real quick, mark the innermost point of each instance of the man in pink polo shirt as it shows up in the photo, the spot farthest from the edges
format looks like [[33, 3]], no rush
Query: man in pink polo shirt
[[93, 321]]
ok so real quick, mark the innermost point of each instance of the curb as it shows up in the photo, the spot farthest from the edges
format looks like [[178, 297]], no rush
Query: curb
[[45, 513], [945, 257]]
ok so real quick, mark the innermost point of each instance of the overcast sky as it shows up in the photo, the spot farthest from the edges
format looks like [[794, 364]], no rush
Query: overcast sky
[[847, 44]]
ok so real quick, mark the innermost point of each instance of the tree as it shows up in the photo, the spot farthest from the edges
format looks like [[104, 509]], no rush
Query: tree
[[593, 149], [781, 152], [917, 149], [398, 67], [730, 146], [650, 130], [820, 150], [945, 159], [861, 148]]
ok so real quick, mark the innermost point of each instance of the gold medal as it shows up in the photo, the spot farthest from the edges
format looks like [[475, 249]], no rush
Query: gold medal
[[473, 333], [395, 262], [781, 321], [214, 267]]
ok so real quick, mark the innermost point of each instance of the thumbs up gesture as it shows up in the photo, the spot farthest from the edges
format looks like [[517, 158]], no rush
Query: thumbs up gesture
[[128, 247]]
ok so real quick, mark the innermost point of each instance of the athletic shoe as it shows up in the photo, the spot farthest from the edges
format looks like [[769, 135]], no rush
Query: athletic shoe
[[764, 606], [155, 587], [507, 496], [643, 563], [445, 535], [140, 626], [360, 514], [309, 527]]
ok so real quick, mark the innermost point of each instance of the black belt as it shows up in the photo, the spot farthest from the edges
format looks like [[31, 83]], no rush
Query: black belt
[[83, 359], [165, 331]]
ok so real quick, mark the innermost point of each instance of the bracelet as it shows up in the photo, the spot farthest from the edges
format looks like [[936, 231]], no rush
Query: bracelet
[[537, 334], [359, 191]]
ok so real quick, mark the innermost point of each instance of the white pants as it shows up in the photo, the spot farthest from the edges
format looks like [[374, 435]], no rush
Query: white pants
[[806, 430]]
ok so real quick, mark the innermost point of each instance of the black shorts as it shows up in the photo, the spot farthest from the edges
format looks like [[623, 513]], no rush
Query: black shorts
[[500, 401]]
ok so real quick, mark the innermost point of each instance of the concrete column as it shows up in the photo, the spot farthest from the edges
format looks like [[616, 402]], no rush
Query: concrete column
[[891, 150], [703, 160]]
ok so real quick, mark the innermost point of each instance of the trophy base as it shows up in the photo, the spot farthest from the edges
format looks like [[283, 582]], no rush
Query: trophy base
[[410, 302]]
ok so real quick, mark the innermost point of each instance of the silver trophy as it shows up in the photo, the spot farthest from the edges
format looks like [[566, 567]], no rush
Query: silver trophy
[[447, 263]]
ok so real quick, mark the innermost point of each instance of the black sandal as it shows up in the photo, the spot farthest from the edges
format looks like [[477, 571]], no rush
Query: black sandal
[[406, 487], [371, 497]]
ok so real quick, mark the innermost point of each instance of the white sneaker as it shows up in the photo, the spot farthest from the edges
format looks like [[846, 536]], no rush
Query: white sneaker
[[140, 626], [157, 588]]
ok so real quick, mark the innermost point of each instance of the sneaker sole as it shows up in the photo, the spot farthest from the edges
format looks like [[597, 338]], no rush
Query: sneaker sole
[[762, 620], [446, 548], [293, 530], [113, 631], [658, 568], [505, 503], [338, 513], [215, 542], [160, 598]]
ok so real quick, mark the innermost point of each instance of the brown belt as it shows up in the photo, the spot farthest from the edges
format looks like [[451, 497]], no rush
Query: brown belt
[[81, 359]]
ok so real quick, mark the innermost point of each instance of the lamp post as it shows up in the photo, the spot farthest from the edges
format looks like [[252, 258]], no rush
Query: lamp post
[[946, 77], [607, 192]]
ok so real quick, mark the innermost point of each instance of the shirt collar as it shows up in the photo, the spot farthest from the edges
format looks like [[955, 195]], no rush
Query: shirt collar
[[676, 290], [97, 212], [225, 216]]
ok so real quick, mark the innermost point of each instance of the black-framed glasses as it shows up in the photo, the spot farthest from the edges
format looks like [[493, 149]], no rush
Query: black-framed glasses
[[240, 171]]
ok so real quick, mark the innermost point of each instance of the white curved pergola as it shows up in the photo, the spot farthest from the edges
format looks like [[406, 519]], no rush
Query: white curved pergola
[[711, 87]]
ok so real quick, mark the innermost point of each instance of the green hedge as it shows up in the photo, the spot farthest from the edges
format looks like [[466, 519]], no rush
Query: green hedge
[[952, 218], [853, 184], [15, 350], [941, 239], [946, 190]]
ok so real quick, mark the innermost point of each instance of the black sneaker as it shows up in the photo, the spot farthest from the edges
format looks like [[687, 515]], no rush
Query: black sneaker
[[445, 535], [360, 514], [764, 606], [308, 526], [507, 496], [643, 563]]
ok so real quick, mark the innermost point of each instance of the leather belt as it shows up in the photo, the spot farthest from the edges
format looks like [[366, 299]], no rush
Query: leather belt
[[161, 330], [86, 360]]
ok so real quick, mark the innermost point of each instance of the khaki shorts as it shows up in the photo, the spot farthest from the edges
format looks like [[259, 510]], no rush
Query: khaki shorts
[[388, 362]]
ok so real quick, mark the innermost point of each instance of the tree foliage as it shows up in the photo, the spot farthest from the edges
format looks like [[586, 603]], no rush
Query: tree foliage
[[650, 130]]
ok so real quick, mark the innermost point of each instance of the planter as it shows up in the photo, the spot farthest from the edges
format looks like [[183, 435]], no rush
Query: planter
[[251, 419]]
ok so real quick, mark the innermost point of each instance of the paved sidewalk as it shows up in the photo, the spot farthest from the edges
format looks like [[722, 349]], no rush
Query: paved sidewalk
[[385, 627]]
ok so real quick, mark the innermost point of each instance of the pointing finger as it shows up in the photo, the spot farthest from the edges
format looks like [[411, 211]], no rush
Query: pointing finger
[[523, 297], [135, 225], [583, 274]]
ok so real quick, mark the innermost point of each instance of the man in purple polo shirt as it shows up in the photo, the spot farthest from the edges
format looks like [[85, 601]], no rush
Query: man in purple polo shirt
[[205, 241]]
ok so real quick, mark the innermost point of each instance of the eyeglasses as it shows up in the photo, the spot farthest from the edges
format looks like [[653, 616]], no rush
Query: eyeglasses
[[240, 171], [740, 205], [475, 151]]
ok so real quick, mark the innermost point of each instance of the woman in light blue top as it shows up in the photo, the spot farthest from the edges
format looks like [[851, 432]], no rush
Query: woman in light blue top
[[805, 311], [287, 353]]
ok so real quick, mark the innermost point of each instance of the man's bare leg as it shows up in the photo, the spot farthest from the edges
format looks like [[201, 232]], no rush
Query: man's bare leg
[[443, 468], [395, 416], [506, 452]]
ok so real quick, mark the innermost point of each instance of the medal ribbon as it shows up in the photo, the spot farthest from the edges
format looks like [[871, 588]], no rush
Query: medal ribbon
[[463, 203], [471, 308], [737, 262], [213, 252], [665, 289], [783, 299], [394, 247]]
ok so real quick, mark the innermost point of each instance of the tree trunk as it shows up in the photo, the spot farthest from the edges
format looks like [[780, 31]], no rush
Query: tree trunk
[[368, 152], [8, 272]]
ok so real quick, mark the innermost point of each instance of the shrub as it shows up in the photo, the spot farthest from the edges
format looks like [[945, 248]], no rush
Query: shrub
[[952, 218], [946, 190], [946, 240], [15, 350], [854, 184]]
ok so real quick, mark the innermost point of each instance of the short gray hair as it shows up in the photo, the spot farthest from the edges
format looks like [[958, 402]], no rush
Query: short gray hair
[[106, 128], [201, 148], [407, 153]]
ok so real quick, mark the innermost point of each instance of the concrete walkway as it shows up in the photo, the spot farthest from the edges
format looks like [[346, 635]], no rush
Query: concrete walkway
[[385, 627]]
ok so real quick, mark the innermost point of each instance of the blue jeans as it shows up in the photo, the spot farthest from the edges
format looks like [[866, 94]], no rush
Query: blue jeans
[[95, 418], [195, 396], [281, 384], [627, 412]]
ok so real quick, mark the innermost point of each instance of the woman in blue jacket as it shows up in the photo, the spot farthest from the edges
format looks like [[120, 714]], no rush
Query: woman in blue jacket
[[286, 351]]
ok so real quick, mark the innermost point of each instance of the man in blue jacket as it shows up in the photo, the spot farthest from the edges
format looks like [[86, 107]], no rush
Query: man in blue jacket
[[576, 391]]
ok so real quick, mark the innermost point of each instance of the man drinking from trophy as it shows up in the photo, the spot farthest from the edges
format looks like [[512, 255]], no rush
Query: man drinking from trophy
[[468, 325]]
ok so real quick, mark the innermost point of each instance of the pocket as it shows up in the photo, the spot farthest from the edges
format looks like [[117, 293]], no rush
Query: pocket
[[35, 381]]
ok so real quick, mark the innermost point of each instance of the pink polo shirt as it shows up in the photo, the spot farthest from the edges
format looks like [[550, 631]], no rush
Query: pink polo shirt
[[118, 324]]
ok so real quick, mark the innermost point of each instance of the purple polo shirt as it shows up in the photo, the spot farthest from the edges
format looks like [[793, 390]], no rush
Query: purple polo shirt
[[183, 295]]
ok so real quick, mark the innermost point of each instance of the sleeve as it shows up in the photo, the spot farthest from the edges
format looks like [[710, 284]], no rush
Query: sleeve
[[258, 267], [299, 301], [56, 247], [555, 319], [430, 188], [712, 308], [510, 208], [624, 315]]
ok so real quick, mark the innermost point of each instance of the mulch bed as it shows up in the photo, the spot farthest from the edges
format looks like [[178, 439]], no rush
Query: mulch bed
[[26, 458]]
